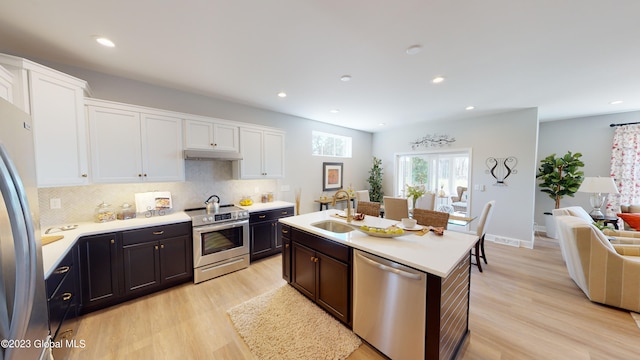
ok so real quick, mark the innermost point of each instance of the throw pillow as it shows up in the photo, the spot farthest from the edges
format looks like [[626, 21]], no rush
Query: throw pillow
[[632, 219]]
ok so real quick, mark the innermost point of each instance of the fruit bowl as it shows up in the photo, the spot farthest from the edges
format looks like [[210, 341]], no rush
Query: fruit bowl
[[388, 232]]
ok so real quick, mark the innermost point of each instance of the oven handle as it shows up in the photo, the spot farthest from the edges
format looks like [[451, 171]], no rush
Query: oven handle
[[223, 226]]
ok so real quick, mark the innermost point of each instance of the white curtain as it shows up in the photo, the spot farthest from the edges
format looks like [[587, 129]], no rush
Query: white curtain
[[625, 166]]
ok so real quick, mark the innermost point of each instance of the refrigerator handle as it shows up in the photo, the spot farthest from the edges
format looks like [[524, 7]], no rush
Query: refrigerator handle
[[24, 243]]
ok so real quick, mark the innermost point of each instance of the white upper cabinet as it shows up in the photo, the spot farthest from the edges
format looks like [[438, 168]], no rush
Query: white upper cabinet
[[6, 85], [129, 144], [56, 104], [210, 135], [262, 154]]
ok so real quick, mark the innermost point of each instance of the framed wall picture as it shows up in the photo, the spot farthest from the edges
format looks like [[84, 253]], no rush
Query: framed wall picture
[[331, 176]]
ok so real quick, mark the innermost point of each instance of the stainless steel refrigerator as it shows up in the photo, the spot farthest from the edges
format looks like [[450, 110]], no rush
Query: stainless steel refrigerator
[[24, 322]]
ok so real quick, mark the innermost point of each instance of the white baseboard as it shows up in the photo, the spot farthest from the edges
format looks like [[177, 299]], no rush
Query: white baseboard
[[509, 241]]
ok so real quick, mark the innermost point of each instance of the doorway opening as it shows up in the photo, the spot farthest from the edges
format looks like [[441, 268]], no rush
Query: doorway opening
[[445, 173]]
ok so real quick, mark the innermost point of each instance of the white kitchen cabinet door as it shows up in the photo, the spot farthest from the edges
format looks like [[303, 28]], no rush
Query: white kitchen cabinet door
[[210, 135], [60, 136], [273, 155], [116, 150], [6, 85], [132, 146], [225, 137], [162, 157], [262, 155]]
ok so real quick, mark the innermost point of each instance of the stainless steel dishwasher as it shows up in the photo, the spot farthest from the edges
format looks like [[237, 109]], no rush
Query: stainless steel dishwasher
[[389, 306]]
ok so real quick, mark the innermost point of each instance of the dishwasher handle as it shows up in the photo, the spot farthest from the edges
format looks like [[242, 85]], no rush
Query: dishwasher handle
[[389, 268]]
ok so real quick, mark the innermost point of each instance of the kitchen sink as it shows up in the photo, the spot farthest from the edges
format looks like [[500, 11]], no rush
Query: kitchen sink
[[333, 226]]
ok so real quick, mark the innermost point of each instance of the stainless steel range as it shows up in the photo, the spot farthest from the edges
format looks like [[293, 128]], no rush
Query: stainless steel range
[[220, 241]]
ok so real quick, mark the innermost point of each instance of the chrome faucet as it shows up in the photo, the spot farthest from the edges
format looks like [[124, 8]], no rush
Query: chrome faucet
[[333, 203]]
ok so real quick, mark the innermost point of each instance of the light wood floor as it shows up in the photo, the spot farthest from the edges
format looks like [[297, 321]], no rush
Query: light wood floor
[[523, 306]]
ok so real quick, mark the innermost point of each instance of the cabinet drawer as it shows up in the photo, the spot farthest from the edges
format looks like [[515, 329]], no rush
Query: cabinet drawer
[[327, 247], [60, 303], [270, 214], [155, 233], [59, 273]]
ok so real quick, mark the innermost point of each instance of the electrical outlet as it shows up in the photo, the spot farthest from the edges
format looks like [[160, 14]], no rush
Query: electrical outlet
[[256, 190], [285, 188], [55, 203]]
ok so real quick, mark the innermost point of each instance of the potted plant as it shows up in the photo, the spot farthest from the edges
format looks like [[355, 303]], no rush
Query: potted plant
[[415, 192], [375, 180], [559, 177]]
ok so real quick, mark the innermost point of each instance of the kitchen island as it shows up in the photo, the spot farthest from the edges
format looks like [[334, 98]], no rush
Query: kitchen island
[[319, 263]]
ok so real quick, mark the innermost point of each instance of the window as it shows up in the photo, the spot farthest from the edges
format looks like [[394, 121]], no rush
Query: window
[[324, 144], [436, 171]]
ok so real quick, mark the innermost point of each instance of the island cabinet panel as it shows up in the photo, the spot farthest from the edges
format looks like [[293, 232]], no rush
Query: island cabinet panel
[[264, 238], [285, 240], [100, 270], [448, 312], [321, 270]]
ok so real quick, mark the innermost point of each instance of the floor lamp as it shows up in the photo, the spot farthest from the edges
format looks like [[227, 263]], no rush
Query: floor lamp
[[599, 187]]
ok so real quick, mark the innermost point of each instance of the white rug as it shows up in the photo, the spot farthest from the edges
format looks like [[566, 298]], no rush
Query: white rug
[[635, 317], [283, 324]]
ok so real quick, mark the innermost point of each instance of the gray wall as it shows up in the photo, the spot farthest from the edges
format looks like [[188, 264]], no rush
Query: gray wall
[[507, 134], [590, 136]]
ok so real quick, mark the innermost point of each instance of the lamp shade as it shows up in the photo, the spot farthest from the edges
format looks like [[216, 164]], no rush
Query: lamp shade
[[602, 185]]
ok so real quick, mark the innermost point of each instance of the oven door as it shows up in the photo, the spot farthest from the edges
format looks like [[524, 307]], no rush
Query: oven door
[[218, 242]]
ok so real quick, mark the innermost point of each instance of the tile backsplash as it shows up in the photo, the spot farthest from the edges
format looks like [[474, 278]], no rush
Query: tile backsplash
[[202, 179]]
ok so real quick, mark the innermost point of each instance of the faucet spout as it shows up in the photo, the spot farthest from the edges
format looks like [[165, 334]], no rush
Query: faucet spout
[[333, 203]]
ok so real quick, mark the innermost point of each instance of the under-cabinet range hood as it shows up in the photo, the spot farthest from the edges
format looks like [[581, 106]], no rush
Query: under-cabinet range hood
[[211, 155]]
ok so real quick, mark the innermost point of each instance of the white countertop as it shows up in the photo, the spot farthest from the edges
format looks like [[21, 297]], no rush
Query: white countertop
[[54, 252], [430, 253], [259, 206]]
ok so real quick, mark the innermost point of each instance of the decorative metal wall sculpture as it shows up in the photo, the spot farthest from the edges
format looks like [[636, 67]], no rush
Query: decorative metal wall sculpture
[[501, 168], [432, 140]]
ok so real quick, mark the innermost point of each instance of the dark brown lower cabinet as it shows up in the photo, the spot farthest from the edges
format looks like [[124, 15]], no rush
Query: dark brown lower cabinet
[[264, 239], [120, 266], [321, 270], [155, 257], [100, 271]]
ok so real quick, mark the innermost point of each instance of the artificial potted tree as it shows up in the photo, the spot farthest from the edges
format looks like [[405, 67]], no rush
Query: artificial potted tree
[[559, 177], [375, 181]]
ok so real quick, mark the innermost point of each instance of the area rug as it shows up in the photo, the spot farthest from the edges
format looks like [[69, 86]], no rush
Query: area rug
[[283, 324], [635, 317]]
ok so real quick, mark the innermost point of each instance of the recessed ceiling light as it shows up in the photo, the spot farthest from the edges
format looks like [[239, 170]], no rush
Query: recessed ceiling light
[[334, 111], [282, 94], [345, 78], [470, 107], [413, 49], [382, 124], [105, 42], [437, 79], [616, 102]]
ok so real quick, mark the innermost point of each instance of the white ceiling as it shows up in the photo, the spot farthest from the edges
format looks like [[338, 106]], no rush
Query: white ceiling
[[569, 58]]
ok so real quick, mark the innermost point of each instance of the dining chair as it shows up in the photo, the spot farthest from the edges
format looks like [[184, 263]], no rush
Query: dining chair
[[433, 218], [487, 211], [426, 201], [395, 208], [362, 195], [369, 208]]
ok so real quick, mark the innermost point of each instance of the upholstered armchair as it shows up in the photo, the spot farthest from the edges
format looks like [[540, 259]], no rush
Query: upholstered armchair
[[606, 273], [459, 202]]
